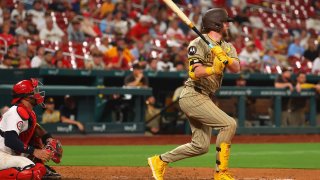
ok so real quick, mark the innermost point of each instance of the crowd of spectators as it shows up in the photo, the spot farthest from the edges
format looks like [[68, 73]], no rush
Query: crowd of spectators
[[112, 34]]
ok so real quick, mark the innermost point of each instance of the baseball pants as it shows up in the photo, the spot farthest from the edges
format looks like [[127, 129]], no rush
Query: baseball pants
[[203, 115], [9, 161]]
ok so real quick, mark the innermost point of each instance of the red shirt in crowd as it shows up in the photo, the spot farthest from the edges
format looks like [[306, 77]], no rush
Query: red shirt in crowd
[[9, 38], [138, 31]]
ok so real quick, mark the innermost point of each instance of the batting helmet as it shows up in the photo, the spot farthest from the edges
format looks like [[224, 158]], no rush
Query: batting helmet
[[213, 20], [27, 88]]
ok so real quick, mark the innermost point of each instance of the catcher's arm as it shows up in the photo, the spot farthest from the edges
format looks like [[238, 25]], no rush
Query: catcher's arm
[[50, 143], [42, 133]]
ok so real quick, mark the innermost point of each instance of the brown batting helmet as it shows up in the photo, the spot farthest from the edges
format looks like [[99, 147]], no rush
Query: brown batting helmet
[[213, 20]]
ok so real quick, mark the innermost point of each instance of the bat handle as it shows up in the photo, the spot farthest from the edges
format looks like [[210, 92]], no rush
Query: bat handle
[[201, 36]]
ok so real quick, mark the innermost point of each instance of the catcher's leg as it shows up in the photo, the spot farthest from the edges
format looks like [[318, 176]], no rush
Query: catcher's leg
[[34, 172], [9, 161]]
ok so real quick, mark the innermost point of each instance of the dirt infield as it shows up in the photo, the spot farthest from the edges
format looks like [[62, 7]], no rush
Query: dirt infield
[[135, 173], [143, 173]]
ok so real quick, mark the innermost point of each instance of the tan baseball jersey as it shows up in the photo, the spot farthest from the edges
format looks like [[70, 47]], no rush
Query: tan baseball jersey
[[199, 52]]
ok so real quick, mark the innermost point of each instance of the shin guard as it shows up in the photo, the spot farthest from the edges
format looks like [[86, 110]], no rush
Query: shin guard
[[223, 154], [31, 172]]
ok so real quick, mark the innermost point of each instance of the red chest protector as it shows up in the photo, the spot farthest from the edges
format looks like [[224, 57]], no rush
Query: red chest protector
[[25, 136]]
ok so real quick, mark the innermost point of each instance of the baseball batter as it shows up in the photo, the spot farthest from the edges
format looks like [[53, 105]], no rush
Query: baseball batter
[[206, 68], [19, 133]]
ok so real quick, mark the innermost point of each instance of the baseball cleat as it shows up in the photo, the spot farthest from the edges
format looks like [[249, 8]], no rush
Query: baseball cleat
[[223, 175], [157, 167], [51, 174]]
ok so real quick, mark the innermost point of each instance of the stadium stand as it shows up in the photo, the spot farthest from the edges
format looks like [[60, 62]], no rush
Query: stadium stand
[[282, 33]]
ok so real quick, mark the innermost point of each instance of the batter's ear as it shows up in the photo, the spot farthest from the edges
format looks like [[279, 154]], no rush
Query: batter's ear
[[23, 113]]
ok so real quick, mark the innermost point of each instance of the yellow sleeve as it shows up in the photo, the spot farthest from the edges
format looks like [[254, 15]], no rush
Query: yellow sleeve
[[195, 55], [307, 86]]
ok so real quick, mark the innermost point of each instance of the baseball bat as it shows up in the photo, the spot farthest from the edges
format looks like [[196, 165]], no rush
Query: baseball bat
[[186, 20]]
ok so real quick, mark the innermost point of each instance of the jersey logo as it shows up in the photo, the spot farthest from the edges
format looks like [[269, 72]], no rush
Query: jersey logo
[[20, 125], [192, 50]]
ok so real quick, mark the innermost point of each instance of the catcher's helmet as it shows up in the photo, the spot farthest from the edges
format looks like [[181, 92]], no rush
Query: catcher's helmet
[[213, 20], [27, 88]]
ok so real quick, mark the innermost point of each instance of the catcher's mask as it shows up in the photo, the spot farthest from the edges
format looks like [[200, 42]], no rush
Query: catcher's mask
[[28, 88]]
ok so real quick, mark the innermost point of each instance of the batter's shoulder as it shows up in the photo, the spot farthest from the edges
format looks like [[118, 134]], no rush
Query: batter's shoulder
[[227, 44], [198, 42]]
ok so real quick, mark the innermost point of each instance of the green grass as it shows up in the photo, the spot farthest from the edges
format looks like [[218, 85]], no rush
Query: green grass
[[306, 155]]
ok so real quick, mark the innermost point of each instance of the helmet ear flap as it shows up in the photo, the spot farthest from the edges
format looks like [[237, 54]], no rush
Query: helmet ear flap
[[218, 26]]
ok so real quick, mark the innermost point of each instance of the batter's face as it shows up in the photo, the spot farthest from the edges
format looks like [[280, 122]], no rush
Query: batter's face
[[224, 31], [226, 26]]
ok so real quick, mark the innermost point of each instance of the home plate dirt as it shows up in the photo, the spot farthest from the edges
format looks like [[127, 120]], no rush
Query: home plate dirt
[[175, 173]]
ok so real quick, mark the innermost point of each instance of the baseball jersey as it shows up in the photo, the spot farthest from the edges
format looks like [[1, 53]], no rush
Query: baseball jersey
[[12, 121], [199, 52], [51, 117]]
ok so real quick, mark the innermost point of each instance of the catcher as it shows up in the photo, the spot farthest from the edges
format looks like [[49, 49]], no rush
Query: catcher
[[24, 145]]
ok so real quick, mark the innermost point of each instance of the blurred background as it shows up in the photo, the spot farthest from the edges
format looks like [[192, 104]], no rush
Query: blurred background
[[117, 66]]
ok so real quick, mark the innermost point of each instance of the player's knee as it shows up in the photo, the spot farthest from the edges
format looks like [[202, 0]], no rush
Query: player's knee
[[201, 148], [204, 149], [24, 162], [232, 124]]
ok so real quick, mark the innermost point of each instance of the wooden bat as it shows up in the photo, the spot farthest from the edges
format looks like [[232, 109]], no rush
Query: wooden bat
[[186, 20]]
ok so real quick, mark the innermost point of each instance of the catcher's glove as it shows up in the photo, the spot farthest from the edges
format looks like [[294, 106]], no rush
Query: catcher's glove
[[55, 147]]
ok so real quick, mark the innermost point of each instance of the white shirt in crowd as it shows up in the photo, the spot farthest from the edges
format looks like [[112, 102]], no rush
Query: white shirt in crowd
[[21, 31], [313, 24], [15, 12], [247, 57], [38, 18], [36, 61], [55, 34], [165, 66], [172, 32], [316, 66]]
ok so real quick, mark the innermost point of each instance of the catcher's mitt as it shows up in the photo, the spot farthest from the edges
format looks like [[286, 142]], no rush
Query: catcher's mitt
[[55, 147]]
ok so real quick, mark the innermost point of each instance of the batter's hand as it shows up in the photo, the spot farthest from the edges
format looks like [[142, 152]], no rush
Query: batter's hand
[[218, 51], [42, 154]]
